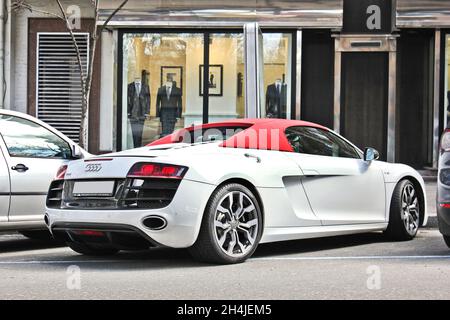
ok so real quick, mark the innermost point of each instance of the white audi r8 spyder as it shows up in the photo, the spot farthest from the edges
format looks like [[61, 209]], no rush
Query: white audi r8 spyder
[[221, 189]]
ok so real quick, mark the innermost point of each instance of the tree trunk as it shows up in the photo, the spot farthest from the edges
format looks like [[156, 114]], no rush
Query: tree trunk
[[84, 124]]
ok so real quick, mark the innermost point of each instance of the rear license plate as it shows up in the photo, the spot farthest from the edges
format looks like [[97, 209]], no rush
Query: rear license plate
[[93, 189]]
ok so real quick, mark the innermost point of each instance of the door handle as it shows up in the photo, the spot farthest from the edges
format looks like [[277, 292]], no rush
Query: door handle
[[20, 167]]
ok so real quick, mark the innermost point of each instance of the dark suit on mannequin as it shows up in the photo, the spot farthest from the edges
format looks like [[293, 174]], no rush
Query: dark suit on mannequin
[[276, 100], [168, 108], [138, 108]]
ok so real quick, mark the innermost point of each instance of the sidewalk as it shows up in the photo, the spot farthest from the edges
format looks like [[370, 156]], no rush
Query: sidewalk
[[430, 187]]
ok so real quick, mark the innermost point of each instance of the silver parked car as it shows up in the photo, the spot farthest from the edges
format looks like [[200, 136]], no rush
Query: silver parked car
[[31, 152]]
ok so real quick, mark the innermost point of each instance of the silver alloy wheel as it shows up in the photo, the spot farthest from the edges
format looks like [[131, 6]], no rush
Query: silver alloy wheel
[[236, 224], [410, 209]]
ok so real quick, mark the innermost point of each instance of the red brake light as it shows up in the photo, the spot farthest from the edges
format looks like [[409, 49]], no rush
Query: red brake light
[[91, 233], [157, 170], [61, 173]]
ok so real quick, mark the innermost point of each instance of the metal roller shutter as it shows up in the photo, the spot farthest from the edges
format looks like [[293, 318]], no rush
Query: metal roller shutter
[[58, 84]]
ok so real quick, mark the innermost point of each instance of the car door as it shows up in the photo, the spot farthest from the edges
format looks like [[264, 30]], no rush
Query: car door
[[33, 155], [4, 187], [341, 187]]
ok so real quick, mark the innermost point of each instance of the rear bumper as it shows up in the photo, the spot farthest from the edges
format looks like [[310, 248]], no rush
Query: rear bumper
[[183, 215], [108, 235], [444, 220]]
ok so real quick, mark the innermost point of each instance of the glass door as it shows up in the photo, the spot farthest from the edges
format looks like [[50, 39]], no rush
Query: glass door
[[276, 74], [261, 102], [160, 87], [226, 81]]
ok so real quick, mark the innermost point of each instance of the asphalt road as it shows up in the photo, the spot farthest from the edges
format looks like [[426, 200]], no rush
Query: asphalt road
[[350, 267]]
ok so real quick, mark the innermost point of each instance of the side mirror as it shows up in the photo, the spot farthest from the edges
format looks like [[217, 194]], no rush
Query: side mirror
[[371, 154], [77, 153]]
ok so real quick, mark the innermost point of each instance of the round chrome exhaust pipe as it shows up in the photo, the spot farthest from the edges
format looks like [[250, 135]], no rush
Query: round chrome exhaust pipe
[[154, 223]]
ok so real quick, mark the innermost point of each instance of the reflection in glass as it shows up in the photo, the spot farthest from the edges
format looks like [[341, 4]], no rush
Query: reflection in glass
[[277, 75], [24, 138], [226, 76], [319, 142], [447, 81], [160, 85]]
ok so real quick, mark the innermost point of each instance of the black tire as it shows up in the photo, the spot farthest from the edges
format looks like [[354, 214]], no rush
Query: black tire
[[447, 240], [207, 248], [42, 235], [397, 229], [90, 250]]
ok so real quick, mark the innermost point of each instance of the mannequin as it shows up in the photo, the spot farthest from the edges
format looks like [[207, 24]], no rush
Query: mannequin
[[276, 99], [138, 105], [168, 106], [448, 108]]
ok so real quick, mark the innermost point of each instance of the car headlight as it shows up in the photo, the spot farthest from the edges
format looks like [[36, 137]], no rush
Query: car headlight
[[445, 141], [444, 176]]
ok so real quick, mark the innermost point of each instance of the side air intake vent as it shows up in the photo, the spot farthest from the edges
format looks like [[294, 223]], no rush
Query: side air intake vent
[[54, 196]]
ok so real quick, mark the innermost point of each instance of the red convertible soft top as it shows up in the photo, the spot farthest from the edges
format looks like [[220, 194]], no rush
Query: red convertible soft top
[[264, 134]]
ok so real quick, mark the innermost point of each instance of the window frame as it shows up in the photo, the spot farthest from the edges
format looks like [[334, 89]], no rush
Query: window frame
[[358, 153], [43, 127], [293, 98]]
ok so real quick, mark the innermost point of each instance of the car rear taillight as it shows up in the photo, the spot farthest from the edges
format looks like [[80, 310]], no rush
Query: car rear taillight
[[445, 141], [156, 170], [61, 173]]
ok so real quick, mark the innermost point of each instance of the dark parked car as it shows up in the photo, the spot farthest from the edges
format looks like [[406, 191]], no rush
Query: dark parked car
[[443, 187]]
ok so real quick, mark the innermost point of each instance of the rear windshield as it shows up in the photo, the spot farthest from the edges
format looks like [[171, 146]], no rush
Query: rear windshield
[[210, 134]]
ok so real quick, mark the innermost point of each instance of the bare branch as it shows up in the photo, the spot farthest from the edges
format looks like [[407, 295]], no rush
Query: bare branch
[[18, 5], [23, 5], [75, 44], [112, 15]]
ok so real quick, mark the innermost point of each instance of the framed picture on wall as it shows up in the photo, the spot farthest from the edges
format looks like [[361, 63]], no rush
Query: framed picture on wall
[[215, 79], [174, 74]]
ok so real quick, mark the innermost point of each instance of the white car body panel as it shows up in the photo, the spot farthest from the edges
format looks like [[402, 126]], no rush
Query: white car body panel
[[393, 173], [297, 233], [353, 188], [4, 188], [289, 211], [29, 189], [24, 207]]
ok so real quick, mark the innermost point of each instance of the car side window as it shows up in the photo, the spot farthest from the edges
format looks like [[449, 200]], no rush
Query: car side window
[[25, 138], [319, 142]]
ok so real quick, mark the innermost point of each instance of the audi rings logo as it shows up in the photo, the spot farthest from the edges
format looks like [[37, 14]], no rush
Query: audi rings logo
[[93, 167]]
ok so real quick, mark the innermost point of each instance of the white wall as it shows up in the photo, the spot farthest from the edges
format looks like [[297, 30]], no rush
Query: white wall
[[107, 91], [9, 56]]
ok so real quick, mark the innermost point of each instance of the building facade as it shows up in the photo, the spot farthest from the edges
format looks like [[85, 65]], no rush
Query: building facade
[[375, 71]]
